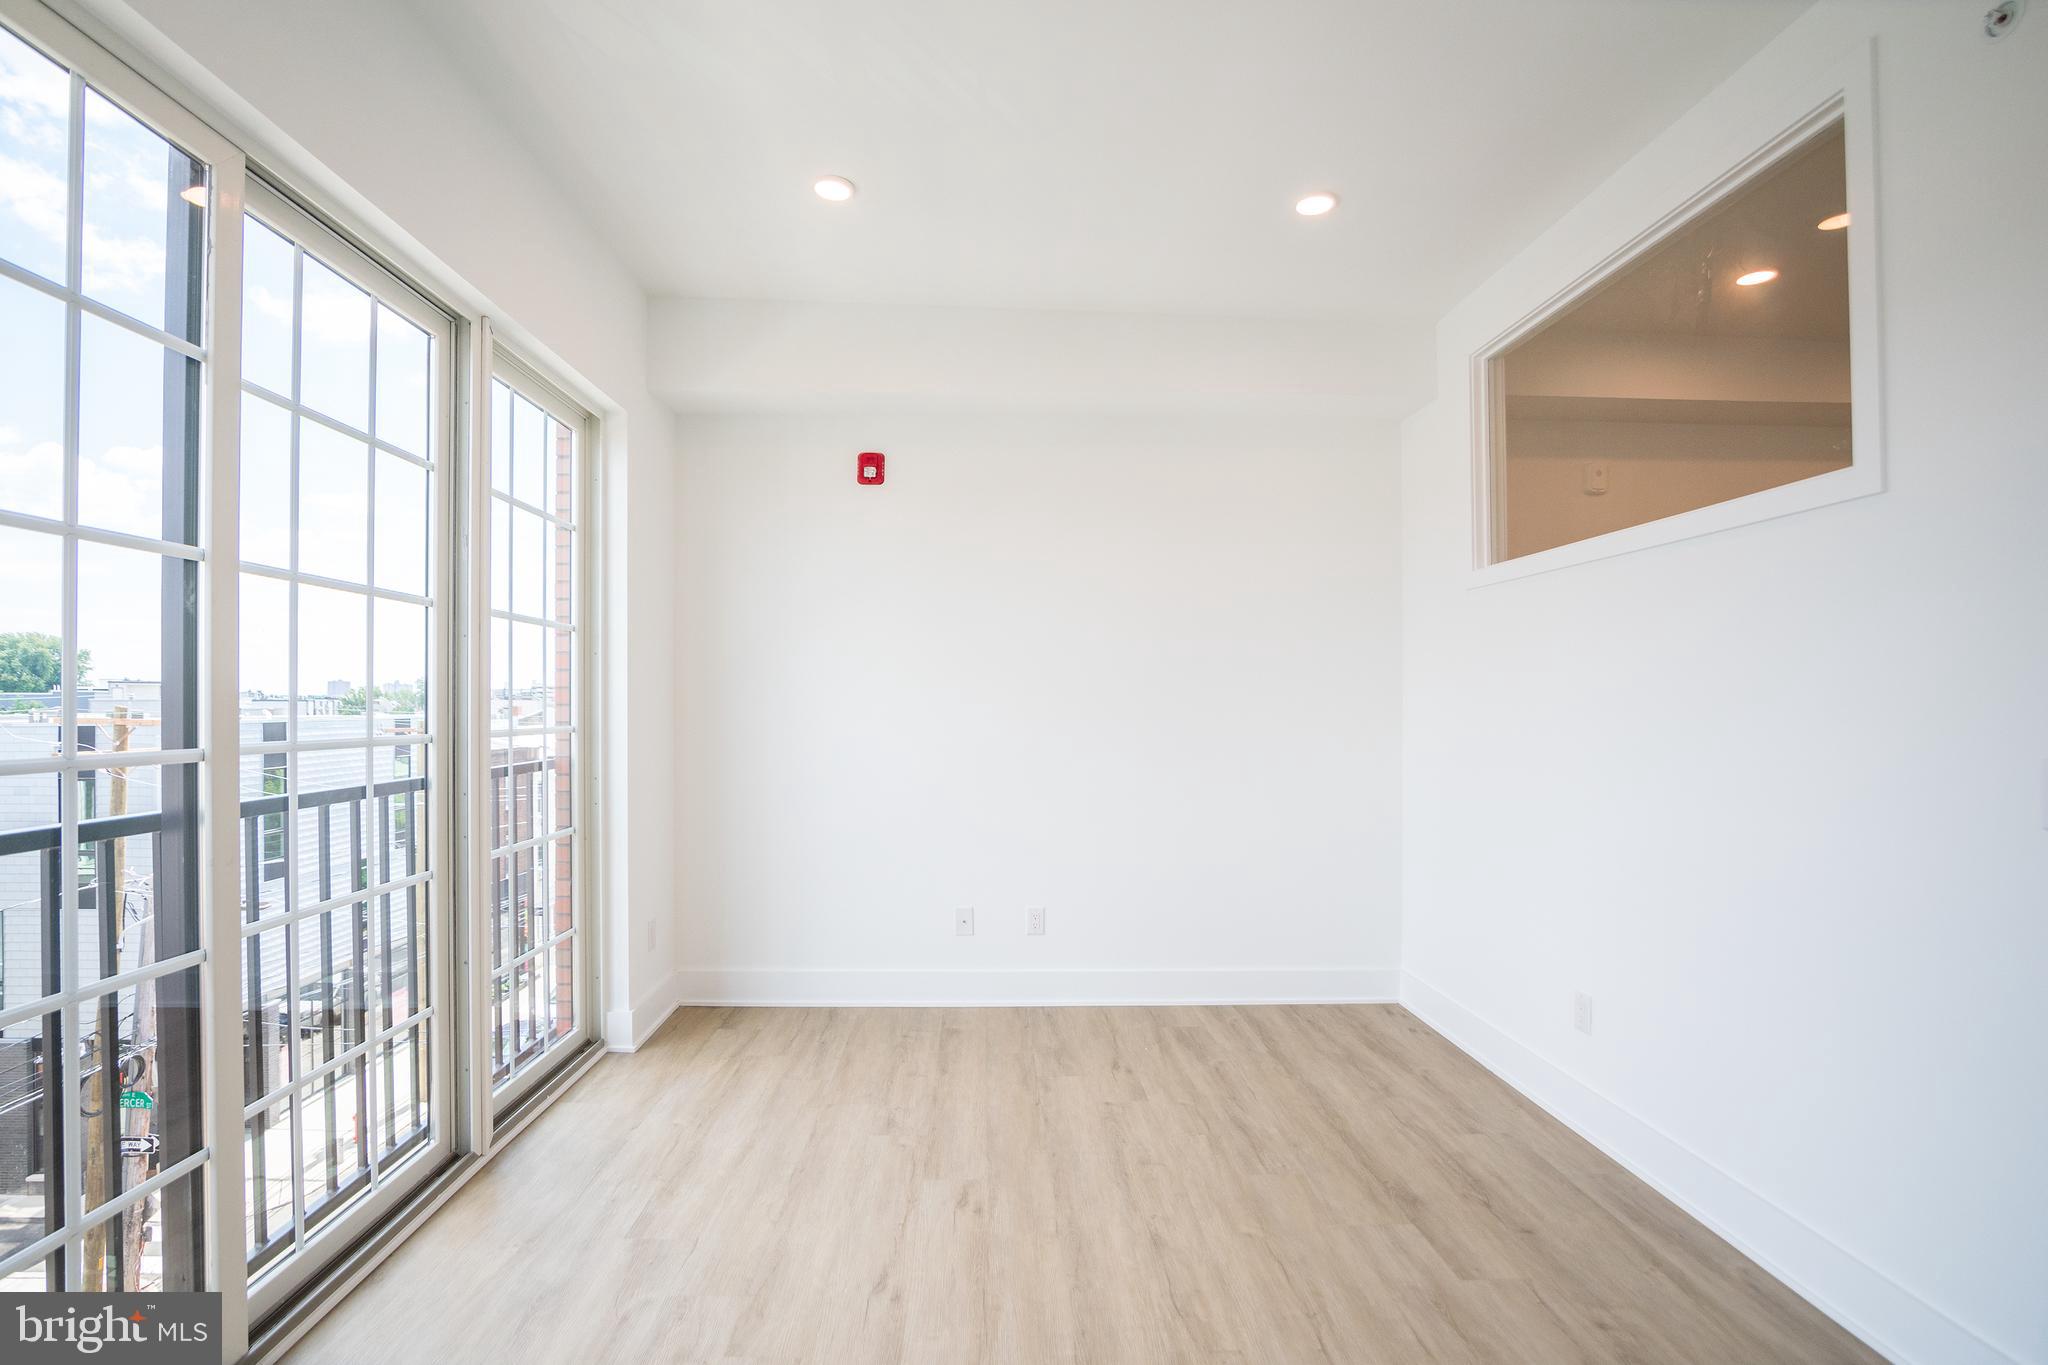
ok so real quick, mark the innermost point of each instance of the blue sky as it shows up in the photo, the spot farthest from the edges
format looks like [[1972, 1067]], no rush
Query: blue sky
[[126, 195]]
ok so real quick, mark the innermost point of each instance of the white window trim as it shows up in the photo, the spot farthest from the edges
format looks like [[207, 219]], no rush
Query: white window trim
[[1842, 94], [216, 555], [144, 73], [391, 1182], [504, 362]]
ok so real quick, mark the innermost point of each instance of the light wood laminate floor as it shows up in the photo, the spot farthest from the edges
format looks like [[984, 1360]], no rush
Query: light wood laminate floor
[[1256, 1185]]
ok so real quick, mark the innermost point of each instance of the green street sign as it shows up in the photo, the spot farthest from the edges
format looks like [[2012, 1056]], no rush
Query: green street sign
[[137, 1099]]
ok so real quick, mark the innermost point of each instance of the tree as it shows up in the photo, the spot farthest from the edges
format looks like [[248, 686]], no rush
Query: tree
[[393, 696], [33, 662]]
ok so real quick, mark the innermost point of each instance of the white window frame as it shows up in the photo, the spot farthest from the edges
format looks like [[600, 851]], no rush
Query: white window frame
[[216, 554], [530, 381], [137, 73], [1838, 95], [314, 1250]]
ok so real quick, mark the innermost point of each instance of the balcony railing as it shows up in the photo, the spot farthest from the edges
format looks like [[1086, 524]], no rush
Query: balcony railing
[[329, 1016]]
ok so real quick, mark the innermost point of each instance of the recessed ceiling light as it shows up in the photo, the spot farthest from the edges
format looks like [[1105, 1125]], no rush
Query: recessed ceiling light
[[1315, 205], [194, 195], [1757, 277], [835, 189], [1834, 222]]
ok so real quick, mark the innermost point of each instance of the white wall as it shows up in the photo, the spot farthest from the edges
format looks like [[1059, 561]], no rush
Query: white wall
[[733, 355], [359, 107], [1139, 670], [1774, 797]]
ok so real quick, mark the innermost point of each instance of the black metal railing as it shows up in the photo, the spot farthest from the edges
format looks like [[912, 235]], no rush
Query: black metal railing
[[524, 808], [331, 1013], [329, 1016]]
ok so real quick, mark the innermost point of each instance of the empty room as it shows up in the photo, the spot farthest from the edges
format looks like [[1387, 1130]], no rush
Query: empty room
[[808, 682]]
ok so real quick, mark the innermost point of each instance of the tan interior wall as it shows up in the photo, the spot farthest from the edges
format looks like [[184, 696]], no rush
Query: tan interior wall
[[1654, 469]]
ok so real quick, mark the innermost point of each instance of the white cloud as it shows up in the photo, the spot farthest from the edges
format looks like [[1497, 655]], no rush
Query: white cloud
[[32, 480], [34, 196]]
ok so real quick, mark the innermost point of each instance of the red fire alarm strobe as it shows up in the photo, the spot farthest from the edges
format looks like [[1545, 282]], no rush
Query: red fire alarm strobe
[[868, 469]]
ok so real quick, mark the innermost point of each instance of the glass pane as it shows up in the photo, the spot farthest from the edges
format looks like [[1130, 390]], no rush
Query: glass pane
[[500, 927], [266, 985], [399, 840], [35, 148], [558, 573], [121, 647], [501, 437], [1672, 385], [154, 1245], [261, 840], [529, 674], [531, 886], [500, 675], [529, 453], [334, 504], [399, 1078], [530, 1024], [29, 891], [560, 646], [397, 967], [332, 842], [266, 308], [501, 555], [334, 369], [138, 1100], [334, 1161], [31, 391], [267, 1181], [31, 646], [401, 524], [122, 422], [266, 483], [500, 1024], [522, 779], [131, 911], [561, 470], [266, 655], [561, 813], [332, 950], [528, 570], [407, 949], [128, 196], [333, 664], [31, 1150], [502, 794], [562, 988], [559, 907], [403, 383], [401, 661]]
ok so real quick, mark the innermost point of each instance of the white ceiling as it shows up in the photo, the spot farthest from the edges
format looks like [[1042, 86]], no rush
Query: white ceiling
[[1123, 155]]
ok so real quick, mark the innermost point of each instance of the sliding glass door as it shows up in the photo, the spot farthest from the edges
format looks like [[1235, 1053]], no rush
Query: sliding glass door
[[344, 423], [233, 975], [534, 814], [106, 364]]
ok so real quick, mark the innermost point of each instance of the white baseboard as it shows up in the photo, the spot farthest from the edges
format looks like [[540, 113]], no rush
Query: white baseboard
[[1885, 1314], [1038, 986], [628, 1030]]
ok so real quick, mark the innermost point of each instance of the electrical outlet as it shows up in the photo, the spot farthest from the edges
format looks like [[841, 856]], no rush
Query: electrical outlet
[[1582, 1012], [963, 921], [1034, 920]]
